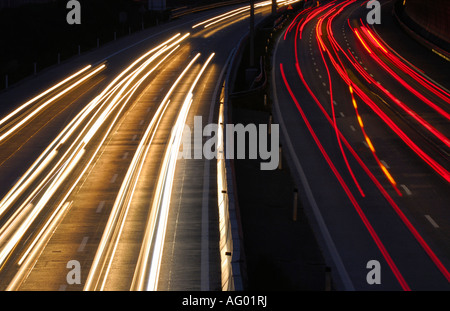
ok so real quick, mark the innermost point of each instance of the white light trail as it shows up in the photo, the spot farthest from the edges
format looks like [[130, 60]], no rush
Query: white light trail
[[46, 103], [149, 262], [16, 226], [22, 107]]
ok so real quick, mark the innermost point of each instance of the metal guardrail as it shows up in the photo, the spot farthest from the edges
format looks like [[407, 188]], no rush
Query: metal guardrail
[[232, 253], [231, 247]]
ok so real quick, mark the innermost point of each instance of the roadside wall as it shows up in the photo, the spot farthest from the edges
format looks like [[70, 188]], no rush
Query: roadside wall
[[427, 19]]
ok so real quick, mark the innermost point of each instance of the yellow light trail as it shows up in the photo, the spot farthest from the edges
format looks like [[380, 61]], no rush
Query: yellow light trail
[[43, 160], [142, 264], [12, 114], [214, 20], [28, 259], [46, 103], [14, 234], [369, 143], [239, 10], [151, 253], [120, 208], [226, 17], [15, 228]]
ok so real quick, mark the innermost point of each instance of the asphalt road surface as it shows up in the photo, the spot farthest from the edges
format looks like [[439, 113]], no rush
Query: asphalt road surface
[[366, 131]]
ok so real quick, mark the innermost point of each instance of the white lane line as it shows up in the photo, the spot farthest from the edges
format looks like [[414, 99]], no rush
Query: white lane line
[[113, 179], [431, 220], [83, 244], [334, 102], [149, 108], [384, 163], [141, 122], [352, 128], [100, 206], [125, 155], [342, 114], [320, 76], [408, 192], [134, 137]]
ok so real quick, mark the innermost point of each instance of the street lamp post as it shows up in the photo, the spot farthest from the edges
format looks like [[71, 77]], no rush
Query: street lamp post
[[252, 33], [250, 72]]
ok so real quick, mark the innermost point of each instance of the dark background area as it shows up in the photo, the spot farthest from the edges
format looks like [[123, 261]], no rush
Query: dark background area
[[37, 31]]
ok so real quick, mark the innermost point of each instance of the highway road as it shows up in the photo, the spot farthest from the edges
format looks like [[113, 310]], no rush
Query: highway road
[[365, 122], [89, 163]]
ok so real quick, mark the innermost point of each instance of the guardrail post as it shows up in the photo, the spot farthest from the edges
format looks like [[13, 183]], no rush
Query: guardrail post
[[252, 33], [280, 159], [294, 211], [327, 279]]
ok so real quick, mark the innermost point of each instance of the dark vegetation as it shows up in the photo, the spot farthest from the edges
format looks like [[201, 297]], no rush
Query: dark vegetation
[[38, 32]]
